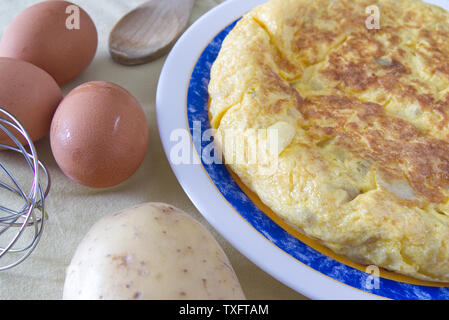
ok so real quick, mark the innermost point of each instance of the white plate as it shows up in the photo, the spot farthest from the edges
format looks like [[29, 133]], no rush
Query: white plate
[[182, 100]]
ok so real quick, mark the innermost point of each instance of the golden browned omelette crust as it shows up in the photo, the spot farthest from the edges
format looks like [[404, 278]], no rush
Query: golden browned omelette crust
[[362, 117]]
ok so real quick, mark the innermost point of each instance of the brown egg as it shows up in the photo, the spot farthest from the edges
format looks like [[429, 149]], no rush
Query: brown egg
[[30, 94], [99, 135], [47, 35]]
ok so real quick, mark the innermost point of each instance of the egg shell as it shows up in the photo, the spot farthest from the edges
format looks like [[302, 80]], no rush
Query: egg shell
[[99, 135], [30, 94], [40, 36]]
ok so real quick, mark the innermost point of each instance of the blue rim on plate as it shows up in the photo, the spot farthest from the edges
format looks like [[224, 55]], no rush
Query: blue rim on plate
[[197, 111]]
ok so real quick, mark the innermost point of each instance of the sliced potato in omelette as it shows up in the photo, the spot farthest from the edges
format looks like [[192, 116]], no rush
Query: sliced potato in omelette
[[363, 124]]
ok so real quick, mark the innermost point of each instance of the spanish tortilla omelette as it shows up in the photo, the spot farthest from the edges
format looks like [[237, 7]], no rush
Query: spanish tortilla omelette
[[362, 123]]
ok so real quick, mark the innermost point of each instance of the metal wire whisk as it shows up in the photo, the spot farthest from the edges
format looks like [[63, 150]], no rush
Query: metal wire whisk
[[21, 228]]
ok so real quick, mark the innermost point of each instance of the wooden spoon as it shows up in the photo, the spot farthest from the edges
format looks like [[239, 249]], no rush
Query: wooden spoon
[[149, 31]]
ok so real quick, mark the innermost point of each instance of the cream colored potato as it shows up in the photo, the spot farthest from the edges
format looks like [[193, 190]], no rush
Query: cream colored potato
[[152, 251]]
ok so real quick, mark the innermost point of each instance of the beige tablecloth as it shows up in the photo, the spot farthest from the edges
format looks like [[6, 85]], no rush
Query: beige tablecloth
[[73, 209]]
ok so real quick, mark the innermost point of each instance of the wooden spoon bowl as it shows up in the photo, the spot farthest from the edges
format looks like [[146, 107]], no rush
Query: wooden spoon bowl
[[149, 31]]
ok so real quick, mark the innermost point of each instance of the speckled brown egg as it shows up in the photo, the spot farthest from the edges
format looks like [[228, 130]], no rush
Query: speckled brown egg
[[99, 135], [48, 35], [30, 94]]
